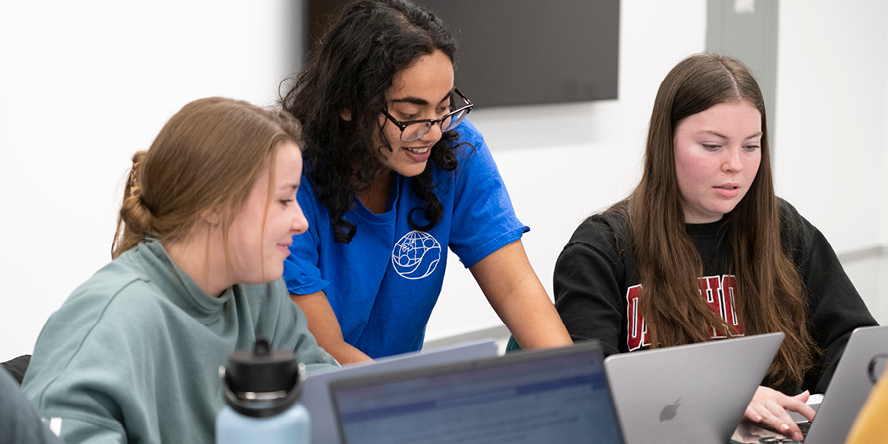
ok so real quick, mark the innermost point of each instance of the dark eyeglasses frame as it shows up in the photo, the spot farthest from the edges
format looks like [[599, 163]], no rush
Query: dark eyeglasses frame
[[403, 125]]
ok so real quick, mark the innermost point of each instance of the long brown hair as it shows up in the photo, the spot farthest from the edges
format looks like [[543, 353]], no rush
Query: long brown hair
[[769, 291], [207, 156]]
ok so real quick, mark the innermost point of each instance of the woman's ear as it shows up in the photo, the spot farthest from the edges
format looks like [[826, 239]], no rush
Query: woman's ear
[[346, 115], [212, 218]]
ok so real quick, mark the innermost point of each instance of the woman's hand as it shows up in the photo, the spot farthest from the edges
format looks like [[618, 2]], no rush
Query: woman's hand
[[769, 407]]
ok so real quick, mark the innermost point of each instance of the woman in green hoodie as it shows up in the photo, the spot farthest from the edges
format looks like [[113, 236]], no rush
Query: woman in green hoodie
[[207, 217]]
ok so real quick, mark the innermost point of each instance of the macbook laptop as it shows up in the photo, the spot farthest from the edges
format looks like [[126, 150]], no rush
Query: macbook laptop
[[689, 394], [849, 387], [316, 393], [539, 396]]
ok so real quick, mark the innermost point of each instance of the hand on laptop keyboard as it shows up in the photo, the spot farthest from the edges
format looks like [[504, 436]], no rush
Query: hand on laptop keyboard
[[803, 426], [770, 408], [778, 439]]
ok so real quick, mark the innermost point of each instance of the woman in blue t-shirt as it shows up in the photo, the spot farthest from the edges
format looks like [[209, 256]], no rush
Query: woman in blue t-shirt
[[393, 176]]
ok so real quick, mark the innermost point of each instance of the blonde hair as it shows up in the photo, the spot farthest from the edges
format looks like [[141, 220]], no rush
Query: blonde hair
[[206, 157]]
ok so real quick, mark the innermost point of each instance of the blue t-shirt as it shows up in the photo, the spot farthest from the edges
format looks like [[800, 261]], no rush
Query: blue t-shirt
[[383, 285]]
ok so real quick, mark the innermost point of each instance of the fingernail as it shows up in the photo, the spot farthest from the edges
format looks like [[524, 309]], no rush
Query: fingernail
[[784, 427], [798, 436]]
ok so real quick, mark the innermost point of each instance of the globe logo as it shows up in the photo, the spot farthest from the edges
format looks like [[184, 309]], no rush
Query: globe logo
[[416, 255]]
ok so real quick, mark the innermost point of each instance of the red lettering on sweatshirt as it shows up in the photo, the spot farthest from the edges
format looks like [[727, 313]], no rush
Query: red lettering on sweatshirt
[[636, 329], [717, 291]]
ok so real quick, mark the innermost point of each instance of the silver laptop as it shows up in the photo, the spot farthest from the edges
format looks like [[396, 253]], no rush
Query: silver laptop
[[689, 394], [554, 396], [849, 387], [316, 393]]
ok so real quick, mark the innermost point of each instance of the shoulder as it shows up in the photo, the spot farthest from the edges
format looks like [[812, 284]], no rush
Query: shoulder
[[795, 230], [306, 194], [119, 279], [606, 236], [471, 143], [468, 132], [474, 161], [117, 307], [121, 298], [609, 227], [789, 215]]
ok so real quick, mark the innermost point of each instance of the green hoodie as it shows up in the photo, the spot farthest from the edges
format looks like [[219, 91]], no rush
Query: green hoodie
[[133, 355]]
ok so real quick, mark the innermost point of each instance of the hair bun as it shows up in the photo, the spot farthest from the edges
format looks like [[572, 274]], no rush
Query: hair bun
[[135, 211]]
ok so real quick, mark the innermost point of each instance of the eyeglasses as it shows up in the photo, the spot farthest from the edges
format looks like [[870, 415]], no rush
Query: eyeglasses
[[414, 129]]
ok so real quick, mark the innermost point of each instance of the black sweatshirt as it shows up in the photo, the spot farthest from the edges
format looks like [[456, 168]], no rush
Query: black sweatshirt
[[596, 282]]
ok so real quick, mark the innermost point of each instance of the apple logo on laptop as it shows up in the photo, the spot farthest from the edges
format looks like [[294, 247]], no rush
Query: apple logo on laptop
[[670, 411]]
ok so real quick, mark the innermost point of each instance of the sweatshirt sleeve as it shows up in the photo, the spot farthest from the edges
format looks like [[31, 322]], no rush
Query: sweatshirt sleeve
[[835, 308], [588, 283], [19, 421], [82, 377], [75, 431]]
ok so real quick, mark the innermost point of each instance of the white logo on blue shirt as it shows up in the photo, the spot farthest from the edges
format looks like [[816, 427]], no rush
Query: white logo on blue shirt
[[416, 255]]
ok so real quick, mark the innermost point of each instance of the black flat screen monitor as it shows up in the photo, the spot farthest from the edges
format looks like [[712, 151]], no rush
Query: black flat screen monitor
[[523, 52]]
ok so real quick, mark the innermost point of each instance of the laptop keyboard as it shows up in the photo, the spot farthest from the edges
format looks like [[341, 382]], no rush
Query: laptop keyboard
[[803, 426]]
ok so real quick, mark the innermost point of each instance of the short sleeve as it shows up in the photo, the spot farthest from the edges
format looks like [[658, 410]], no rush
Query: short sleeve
[[483, 217], [301, 272]]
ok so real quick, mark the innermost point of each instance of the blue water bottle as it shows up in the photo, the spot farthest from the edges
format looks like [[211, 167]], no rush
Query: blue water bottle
[[261, 387]]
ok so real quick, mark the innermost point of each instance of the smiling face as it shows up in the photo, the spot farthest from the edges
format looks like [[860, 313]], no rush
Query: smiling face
[[717, 156], [421, 91], [258, 251]]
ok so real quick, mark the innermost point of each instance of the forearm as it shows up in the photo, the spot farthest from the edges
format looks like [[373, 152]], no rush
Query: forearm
[[532, 320], [518, 297], [324, 326], [344, 352]]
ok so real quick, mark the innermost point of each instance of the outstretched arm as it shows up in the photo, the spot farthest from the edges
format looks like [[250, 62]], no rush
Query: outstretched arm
[[516, 294], [324, 326]]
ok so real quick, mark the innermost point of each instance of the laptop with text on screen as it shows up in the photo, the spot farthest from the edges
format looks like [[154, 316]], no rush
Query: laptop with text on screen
[[316, 393], [691, 393], [541, 396]]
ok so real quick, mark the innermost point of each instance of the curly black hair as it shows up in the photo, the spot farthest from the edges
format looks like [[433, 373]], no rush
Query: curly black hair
[[352, 68]]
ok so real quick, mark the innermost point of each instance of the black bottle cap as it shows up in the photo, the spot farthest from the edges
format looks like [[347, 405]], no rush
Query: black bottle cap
[[261, 382], [262, 370]]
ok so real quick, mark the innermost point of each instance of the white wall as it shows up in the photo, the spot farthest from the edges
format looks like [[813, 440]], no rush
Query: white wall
[[564, 162], [831, 152], [832, 83], [83, 85], [832, 142]]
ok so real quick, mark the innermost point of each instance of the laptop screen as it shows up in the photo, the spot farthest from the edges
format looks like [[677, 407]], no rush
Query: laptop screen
[[548, 396]]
